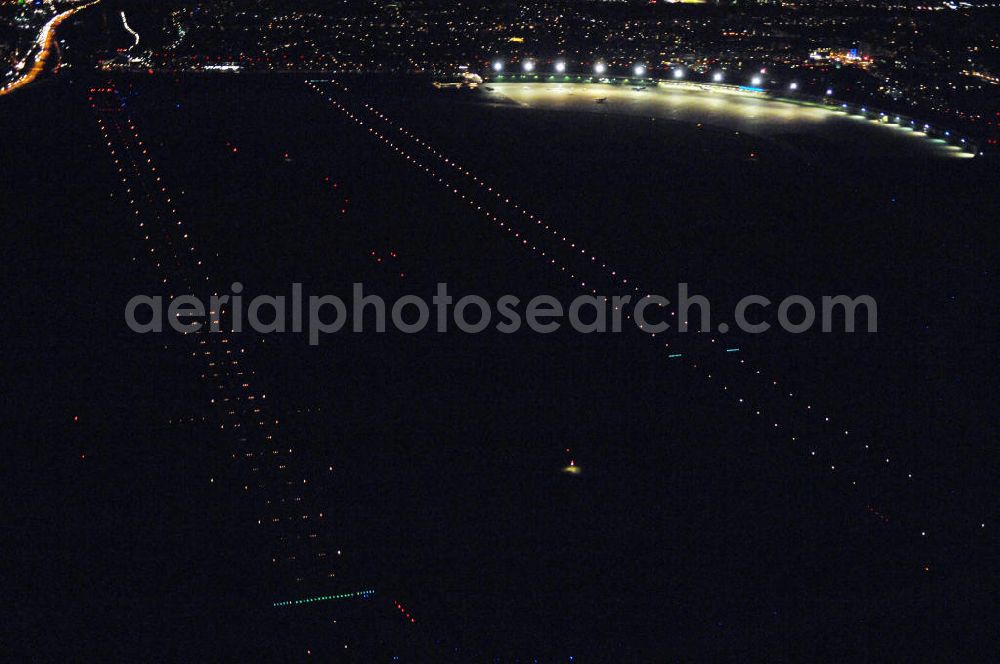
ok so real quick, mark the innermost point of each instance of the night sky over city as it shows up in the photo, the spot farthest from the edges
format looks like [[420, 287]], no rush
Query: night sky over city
[[500, 331]]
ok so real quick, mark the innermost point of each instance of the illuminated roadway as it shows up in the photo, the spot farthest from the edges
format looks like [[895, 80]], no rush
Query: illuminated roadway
[[45, 41]]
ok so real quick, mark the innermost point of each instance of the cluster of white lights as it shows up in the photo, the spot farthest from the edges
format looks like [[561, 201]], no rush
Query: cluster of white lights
[[640, 70]]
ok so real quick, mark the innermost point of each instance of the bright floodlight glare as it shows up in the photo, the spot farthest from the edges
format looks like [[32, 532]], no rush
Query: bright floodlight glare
[[560, 66], [599, 68], [793, 86], [756, 81], [528, 65], [639, 70], [829, 91], [497, 65], [678, 73], [717, 76]]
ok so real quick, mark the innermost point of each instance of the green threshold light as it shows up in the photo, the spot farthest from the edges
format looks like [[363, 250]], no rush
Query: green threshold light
[[363, 594]]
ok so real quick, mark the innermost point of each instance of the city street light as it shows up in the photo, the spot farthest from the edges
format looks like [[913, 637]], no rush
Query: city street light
[[793, 86], [678, 73], [560, 66], [497, 65], [600, 68], [717, 77], [528, 65], [639, 70], [756, 81]]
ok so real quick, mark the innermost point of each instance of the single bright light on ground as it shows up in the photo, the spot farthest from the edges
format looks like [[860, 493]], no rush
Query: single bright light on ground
[[600, 68], [678, 73], [560, 66], [639, 70], [793, 86], [756, 81], [528, 65], [829, 91], [717, 76], [497, 66]]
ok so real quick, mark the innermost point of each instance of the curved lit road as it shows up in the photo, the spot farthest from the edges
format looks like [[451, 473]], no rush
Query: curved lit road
[[46, 43]]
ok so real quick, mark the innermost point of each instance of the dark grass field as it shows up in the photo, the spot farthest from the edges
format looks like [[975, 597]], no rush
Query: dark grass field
[[693, 533]]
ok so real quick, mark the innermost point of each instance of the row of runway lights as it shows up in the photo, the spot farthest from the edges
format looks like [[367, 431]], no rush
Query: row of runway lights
[[127, 131], [502, 223], [146, 158], [386, 257], [530, 219], [774, 383], [405, 612]]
